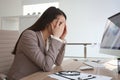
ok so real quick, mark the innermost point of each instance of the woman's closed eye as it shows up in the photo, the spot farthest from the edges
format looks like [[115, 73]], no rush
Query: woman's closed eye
[[60, 23]]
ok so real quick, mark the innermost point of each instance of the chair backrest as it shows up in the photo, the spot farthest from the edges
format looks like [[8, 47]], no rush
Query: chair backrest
[[8, 39]]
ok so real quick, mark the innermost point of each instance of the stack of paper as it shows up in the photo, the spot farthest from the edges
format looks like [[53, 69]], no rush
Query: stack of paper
[[82, 76]]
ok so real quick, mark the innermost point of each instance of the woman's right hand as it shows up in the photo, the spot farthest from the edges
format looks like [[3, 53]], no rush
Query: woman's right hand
[[58, 29]]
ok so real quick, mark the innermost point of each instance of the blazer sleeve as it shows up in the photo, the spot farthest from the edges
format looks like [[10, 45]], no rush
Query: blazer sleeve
[[60, 56], [29, 46]]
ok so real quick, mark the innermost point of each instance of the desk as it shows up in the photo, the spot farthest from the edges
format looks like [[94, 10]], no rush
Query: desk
[[71, 64]]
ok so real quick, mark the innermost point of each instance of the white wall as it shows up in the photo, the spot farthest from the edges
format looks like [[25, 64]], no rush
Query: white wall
[[10, 7], [87, 18], [86, 22]]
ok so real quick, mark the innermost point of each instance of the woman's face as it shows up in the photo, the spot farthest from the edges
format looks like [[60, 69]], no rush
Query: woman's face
[[61, 18]]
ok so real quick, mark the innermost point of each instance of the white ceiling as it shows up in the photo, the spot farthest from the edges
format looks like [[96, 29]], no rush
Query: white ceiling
[[27, 2]]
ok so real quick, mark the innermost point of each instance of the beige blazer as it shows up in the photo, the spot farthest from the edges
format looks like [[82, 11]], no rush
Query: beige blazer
[[32, 57]]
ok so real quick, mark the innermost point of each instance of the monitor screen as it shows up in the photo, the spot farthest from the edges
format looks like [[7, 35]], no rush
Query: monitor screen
[[110, 43]]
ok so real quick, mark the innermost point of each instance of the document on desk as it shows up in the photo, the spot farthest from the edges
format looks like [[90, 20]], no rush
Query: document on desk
[[82, 76]]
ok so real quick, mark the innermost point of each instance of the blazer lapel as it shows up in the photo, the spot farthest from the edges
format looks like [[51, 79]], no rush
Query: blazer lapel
[[40, 41]]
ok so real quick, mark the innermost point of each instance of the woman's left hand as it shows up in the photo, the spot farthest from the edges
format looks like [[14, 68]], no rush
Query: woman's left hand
[[64, 33]]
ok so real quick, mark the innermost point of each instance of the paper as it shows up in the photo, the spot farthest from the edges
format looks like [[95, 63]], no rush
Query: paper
[[82, 76]]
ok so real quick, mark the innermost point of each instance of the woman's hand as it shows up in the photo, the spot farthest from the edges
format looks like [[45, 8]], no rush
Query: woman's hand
[[58, 29], [64, 33]]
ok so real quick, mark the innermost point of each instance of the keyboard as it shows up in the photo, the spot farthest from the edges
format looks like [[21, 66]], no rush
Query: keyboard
[[93, 64]]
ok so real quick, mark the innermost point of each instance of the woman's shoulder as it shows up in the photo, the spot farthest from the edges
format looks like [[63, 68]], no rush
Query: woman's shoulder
[[29, 33]]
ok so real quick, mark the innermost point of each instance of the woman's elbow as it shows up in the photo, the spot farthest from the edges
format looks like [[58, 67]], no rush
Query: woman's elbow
[[57, 64], [47, 69]]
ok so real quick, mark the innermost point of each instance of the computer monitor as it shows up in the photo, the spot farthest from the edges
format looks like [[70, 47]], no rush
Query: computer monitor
[[110, 43]]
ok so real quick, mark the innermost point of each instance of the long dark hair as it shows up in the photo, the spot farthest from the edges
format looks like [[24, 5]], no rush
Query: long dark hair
[[46, 18]]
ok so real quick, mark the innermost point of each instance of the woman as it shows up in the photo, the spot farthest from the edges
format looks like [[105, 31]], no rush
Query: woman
[[40, 46]]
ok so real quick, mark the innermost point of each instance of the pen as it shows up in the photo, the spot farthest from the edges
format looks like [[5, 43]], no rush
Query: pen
[[89, 78]]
